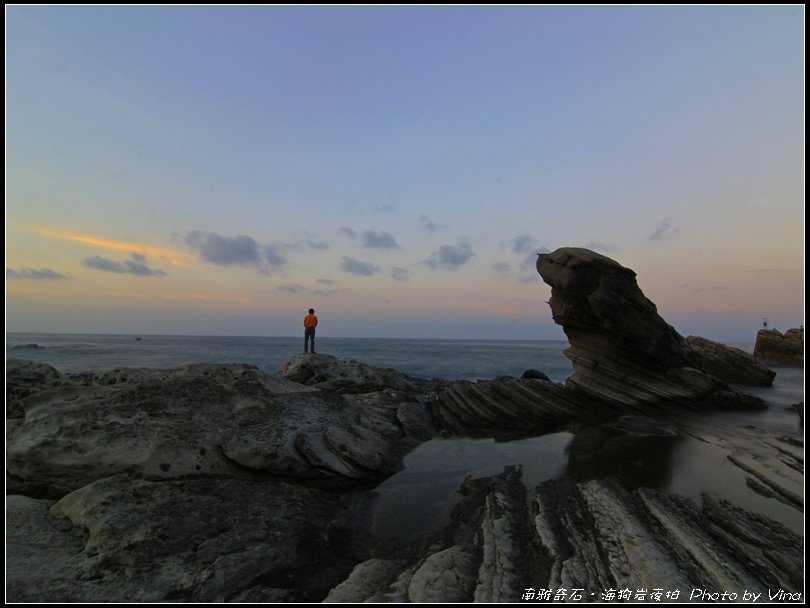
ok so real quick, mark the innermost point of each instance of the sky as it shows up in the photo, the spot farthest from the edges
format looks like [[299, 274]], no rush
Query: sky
[[218, 170]]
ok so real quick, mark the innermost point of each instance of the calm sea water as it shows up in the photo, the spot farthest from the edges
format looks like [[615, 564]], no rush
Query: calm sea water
[[445, 359]]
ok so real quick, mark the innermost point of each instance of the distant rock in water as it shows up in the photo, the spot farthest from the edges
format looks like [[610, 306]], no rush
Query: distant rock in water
[[26, 347], [780, 349], [730, 364], [621, 348]]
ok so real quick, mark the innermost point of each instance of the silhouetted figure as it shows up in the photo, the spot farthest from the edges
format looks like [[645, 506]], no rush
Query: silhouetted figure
[[764, 322], [310, 323]]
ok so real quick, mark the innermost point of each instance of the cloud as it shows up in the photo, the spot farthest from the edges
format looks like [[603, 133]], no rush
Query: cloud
[[291, 288], [40, 274], [523, 243], [137, 266], [353, 266], [528, 247], [448, 257], [223, 250], [378, 240], [318, 245], [712, 288], [352, 234], [325, 281], [664, 231], [429, 225], [324, 292], [385, 207], [502, 267], [171, 256], [274, 257], [400, 274]]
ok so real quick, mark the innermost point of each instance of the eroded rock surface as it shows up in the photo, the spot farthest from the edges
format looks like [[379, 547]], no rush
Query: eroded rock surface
[[200, 420], [780, 349], [203, 540], [621, 348], [730, 364]]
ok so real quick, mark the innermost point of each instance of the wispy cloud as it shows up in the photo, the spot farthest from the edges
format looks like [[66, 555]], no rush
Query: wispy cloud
[[523, 243], [291, 288], [274, 257], [378, 240], [401, 274], [429, 225], [353, 266], [318, 245], [137, 266], [502, 267], [528, 247], [352, 234], [325, 281], [385, 207], [171, 256], [666, 230], [449, 257], [712, 288], [35, 274]]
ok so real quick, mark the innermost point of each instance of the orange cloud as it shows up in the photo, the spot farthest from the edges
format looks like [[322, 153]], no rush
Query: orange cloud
[[172, 256]]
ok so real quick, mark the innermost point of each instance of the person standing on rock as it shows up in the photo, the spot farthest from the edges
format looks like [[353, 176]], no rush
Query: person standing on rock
[[310, 323]]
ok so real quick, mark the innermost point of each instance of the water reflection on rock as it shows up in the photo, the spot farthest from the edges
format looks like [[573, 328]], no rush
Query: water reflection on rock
[[634, 450]]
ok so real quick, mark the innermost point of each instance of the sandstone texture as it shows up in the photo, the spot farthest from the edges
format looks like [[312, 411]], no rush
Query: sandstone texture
[[780, 349], [730, 364], [621, 349]]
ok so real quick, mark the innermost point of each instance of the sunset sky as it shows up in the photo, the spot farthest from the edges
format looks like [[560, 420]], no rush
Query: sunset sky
[[219, 170]]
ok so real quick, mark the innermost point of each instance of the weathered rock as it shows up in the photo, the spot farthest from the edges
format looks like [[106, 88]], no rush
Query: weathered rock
[[582, 537], [601, 536], [534, 374], [505, 404], [730, 364], [202, 540], [483, 555], [621, 349], [204, 420], [24, 378], [780, 349], [345, 375]]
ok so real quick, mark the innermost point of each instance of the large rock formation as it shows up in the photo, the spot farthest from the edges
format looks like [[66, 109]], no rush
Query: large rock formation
[[621, 349], [199, 421], [780, 349]]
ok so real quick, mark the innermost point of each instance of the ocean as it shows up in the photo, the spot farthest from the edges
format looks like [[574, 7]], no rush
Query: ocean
[[420, 497], [421, 358]]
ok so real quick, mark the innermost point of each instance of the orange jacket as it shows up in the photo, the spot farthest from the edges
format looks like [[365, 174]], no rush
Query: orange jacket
[[310, 321]]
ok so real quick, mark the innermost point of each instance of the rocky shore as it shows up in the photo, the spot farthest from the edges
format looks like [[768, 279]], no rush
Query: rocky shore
[[211, 483]]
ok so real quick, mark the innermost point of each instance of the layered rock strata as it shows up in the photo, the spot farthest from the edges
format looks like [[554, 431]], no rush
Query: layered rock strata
[[622, 350], [585, 539]]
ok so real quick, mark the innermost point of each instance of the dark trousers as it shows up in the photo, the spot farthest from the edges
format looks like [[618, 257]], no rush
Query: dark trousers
[[309, 338]]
